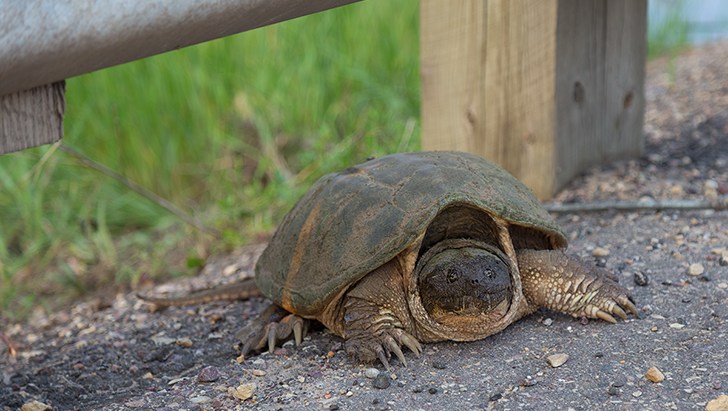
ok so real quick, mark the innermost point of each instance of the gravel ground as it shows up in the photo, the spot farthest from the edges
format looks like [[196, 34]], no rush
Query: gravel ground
[[117, 355]]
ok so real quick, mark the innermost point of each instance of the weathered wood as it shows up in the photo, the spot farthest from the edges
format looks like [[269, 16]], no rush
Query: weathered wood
[[43, 41], [32, 117], [544, 88]]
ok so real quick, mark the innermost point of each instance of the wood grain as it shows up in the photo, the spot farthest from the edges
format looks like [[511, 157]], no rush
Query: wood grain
[[543, 88], [32, 117]]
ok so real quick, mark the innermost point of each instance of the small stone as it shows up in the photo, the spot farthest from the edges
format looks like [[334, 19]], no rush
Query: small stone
[[641, 278], [258, 373], [548, 322], [371, 373], [722, 285], [495, 397], [184, 342], [243, 391], [381, 381], [696, 269], [200, 399], [162, 340], [432, 390], [677, 326], [35, 406], [637, 394], [613, 390], [600, 252], [208, 374], [655, 375], [148, 376], [718, 404], [557, 360], [439, 365], [138, 403]]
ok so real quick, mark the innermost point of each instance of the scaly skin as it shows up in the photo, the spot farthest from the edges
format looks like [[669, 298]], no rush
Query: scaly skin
[[563, 283], [241, 290]]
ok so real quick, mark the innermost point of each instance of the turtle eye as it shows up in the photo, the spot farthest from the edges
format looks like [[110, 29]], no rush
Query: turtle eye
[[451, 276]]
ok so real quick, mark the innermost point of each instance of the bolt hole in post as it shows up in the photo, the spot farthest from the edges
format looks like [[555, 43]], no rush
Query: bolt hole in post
[[579, 92], [628, 99]]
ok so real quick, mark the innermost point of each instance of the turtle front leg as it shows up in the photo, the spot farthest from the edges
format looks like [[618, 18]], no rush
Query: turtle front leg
[[563, 283], [272, 326], [376, 318]]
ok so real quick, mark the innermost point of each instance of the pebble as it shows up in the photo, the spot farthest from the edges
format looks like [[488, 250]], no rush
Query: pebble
[[548, 322], [381, 381], [637, 394], [200, 399], [439, 365], [641, 278], [243, 391], [696, 269], [208, 374], [723, 285], [432, 390], [655, 375], [600, 252], [677, 326], [258, 373], [371, 373], [184, 342], [718, 404], [613, 390], [35, 406], [557, 360]]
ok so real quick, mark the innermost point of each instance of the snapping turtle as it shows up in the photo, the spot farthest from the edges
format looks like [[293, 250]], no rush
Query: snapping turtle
[[420, 247]]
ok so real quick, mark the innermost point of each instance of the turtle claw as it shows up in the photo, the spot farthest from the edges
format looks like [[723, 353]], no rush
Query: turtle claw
[[629, 305], [298, 332], [394, 348], [619, 313], [270, 328], [606, 317], [411, 343], [368, 348]]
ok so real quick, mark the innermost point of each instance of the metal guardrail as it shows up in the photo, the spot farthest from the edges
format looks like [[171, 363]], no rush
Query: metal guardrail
[[44, 41]]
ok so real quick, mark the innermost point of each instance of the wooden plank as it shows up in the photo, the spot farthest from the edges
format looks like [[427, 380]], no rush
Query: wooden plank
[[32, 117], [544, 88], [451, 51], [600, 83], [519, 88]]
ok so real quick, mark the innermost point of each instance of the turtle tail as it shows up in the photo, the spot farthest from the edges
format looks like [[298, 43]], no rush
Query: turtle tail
[[239, 290]]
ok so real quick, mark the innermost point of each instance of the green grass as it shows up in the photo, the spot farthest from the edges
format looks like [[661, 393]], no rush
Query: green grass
[[232, 131]]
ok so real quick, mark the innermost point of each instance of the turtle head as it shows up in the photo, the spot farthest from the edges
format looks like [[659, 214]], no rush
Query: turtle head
[[461, 278]]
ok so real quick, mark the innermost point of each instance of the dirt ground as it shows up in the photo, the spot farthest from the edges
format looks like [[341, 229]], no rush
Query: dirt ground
[[117, 355]]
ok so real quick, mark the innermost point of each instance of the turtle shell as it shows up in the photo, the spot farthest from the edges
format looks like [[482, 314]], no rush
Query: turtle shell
[[351, 222]]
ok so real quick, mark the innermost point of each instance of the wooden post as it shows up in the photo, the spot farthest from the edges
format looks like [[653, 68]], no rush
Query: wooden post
[[545, 88], [32, 117]]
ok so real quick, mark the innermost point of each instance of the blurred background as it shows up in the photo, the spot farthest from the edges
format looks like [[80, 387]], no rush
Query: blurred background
[[231, 132]]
